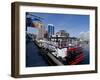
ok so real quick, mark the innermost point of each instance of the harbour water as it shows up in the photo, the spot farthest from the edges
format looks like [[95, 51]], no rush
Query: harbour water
[[34, 57]]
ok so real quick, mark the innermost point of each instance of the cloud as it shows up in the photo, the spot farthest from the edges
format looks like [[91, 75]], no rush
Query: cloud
[[84, 35]]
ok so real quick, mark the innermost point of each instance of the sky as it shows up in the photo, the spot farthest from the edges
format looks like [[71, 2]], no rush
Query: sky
[[71, 23]]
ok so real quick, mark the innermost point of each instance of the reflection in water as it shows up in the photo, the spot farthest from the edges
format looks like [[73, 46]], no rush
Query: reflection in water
[[86, 53]]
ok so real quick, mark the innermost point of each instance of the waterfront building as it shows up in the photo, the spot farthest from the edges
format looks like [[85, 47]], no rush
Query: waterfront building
[[63, 39], [62, 33], [41, 31], [36, 23]]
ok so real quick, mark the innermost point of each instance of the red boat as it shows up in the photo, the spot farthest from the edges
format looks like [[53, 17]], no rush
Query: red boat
[[74, 55]]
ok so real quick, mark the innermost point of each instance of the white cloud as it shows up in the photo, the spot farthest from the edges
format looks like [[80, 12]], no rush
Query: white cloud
[[84, 35]]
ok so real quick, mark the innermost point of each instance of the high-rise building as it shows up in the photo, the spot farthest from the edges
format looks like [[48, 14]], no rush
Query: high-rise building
[[40, 28], [41, 31], [51, 30], [36, 23]]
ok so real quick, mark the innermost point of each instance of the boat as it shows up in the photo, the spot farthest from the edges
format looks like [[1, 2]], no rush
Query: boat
[[74, 56], [70, 55]]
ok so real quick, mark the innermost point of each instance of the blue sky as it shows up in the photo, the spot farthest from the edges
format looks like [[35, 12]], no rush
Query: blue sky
[[73, 24]]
